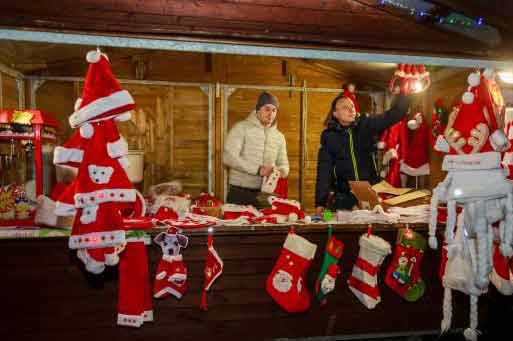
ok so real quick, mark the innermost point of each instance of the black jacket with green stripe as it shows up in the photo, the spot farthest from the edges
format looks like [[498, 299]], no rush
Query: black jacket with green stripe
[[348, 153]]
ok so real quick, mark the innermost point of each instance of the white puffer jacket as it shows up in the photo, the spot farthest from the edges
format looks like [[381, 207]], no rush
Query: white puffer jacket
[[250, 145]]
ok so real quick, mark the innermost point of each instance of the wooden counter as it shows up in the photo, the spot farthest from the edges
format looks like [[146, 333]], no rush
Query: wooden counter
[[46, 294]]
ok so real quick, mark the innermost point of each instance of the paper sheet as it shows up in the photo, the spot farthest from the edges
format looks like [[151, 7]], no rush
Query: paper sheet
[[407, 197], [385, 187]]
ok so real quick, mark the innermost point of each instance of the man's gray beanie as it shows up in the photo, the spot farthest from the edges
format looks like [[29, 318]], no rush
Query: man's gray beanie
[[267, 98]]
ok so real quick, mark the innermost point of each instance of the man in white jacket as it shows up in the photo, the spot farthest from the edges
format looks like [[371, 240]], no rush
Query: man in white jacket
[[252, 149]]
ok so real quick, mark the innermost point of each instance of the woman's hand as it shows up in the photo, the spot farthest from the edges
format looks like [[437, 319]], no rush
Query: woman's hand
[[319, 210], [265, 171]]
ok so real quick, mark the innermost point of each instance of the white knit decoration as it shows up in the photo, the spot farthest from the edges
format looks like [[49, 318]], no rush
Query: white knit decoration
[[86, 130], [489, 74], [468, 97], [474, 79], [93, 56]]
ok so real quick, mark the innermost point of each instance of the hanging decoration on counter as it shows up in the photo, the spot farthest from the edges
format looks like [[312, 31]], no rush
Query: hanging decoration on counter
[[330, 269], [286, 283], [102, 187], [135, 305], [213, 269], [394, 143], [475, 138], [403, 274], [364, 277], [416, 159], [171, 276]]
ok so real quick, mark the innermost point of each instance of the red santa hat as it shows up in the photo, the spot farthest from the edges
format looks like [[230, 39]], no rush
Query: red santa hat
[[232, 211], [70, 153], [102, 97], [213, 269], [65, 204], [287, 209], [206, 200], [416, 161], [275, 184]]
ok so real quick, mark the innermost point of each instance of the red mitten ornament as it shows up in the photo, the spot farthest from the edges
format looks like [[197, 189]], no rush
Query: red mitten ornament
[[286, 283], [403, 274]]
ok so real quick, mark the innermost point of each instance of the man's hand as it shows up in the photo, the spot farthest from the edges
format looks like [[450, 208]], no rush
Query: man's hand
[[319, 210], [265, 171]]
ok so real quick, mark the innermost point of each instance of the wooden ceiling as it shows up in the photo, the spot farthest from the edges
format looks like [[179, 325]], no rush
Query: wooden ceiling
[[348, 24]]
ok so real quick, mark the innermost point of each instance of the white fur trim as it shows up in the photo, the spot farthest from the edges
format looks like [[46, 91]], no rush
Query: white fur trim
[[441, 144], [64, 155], [93, 56], [474, 79], [499, 141], [422, 170], [168, 290], [468, 97], [104, 195], [99, 107], [86, 130], [489, 74], [220, 261], [177, 276], [97, 239], [273, 199], [117, 148], [64, 210], [161, 275], [78, 103], [300, 246], [130, 320], [488, 160], [375, 243], [504, 286], [111, 259], [381, 145], [123, 117], [124, 162], [389, 155], [91, 265], [413, 124], [508, 158], [240, 208], [169, 258], [148, 316]]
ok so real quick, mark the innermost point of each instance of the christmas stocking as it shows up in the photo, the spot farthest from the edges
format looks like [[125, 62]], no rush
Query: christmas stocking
[[213, 269], [134, 295], [403, 274], [364, 278], [326, 281], [286, 283], [171, 277]]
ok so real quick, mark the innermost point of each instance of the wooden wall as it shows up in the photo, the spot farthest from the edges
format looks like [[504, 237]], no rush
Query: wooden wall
[[9, 89]]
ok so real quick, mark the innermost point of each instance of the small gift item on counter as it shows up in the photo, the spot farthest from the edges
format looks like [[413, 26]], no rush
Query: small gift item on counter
[[330, 269], [213, 269], [171, 276], [207, 204], [364, 277], [233, 211], [285, 210], [287, 282], [403, 274], [134, 293], [275, 184]]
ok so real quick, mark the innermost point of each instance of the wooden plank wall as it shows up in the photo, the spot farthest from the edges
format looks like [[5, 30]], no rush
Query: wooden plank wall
[[46, 295], [9, 92]]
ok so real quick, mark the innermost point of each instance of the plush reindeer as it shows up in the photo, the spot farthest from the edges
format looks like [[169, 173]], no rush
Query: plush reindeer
[[171, 277]]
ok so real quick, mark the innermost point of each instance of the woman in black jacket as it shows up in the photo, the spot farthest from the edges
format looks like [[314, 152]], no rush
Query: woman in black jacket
[[348, 147]]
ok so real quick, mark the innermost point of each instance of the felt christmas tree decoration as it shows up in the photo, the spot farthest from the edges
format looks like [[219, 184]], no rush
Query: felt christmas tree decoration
[[286, 283], [213, 269], [326, 281], [364, 277], [403, 274]]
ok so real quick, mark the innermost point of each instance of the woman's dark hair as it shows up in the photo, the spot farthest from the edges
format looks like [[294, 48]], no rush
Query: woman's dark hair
[[329, 116]]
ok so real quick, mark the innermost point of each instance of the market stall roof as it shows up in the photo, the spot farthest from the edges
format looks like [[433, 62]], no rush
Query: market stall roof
[[406, 26]]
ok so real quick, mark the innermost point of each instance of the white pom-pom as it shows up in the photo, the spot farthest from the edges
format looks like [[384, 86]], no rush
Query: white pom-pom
[[433, 242], [489, 74], [413, 124], [123, 117], [506, 250], [474, 79], [467, 98], [471, 334], [78, 103], [93, 56], [292, 217], [308, 219], [86, 130]]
